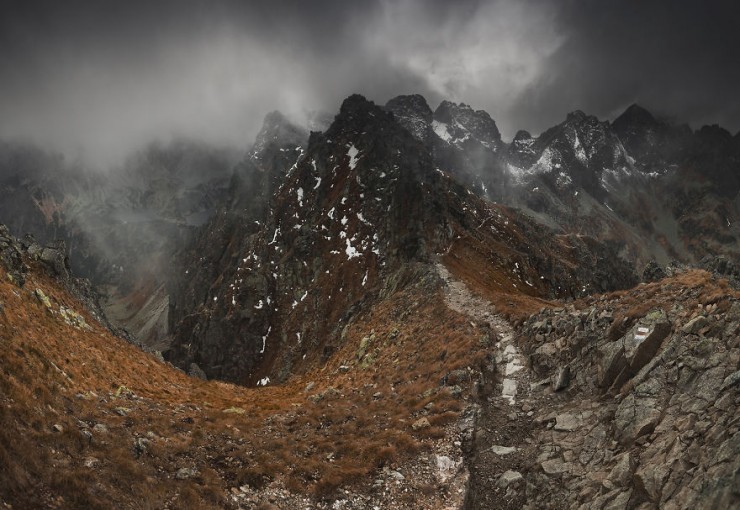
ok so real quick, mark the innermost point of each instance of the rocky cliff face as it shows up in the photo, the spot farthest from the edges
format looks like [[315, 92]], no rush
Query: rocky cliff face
[[662, 191], [352, 220]]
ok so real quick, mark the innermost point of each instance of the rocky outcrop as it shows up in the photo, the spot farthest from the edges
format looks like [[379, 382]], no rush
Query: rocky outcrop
[[361, 214], [652, 406], [18, 256]]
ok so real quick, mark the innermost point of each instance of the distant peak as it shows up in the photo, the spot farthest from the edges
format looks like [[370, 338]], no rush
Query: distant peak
[[449, 106], [522, 135], [576, 115], [274, 117], [414, 101], [636, 115], [355, 103], [714, 131]]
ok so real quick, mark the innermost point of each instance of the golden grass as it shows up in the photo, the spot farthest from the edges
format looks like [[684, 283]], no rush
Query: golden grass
[[52, 373]]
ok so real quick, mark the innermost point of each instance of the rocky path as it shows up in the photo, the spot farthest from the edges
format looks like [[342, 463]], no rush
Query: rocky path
[[504, 448]]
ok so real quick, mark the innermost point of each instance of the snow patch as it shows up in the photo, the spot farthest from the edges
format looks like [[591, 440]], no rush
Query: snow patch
[[440, 128], [274, 236], [299, 192], [264, 339], [351, 251], [352, 153]]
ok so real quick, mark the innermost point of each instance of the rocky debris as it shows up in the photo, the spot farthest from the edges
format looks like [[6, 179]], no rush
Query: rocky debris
[[196, 371], [73, 318], [186, 472], [649, 419], [140, 446], [562, 380], [11, 256], [421, 423], [508, 478], [653, 272], [722, 267]]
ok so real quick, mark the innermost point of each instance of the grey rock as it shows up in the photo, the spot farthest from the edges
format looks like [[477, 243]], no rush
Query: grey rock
[[397, 476], [695, 325], [503, 450], [554, 467], [421, 423], [185, 473], [100, 428], [731, 380], [621, 474], [567, 422], [508, 478], [563, 379], [196, 371], [635, 417], [141, 445]]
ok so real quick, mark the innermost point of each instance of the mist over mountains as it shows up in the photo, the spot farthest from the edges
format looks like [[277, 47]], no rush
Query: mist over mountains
[[99, 80], [362, 255]]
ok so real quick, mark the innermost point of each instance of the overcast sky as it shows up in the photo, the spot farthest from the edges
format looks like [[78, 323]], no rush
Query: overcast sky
[[99, 78]]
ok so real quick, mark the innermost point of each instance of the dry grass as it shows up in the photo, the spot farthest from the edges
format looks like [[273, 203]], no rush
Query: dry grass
[[351, 423]]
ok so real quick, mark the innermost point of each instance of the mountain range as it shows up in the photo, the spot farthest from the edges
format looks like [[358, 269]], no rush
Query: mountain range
[[378, 307]]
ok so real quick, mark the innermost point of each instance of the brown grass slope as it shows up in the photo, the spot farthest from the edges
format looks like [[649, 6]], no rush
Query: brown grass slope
[[89, 421]]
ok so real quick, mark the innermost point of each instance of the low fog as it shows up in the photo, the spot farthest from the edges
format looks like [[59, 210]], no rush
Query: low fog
[[99, 79]]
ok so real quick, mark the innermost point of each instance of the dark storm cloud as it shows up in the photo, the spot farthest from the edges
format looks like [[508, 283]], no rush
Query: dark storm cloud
[[680, 59], [99, 78]]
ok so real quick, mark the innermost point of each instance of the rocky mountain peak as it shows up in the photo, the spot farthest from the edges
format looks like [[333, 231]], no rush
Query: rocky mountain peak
[[633, 117], [458, 122], [522, 151], [576, 116], [277, 130], [413, 113], [714, 133]]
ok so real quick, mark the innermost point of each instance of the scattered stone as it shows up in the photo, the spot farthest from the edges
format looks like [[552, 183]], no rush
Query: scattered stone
[[421, 423], [652, 272], [396, 475], [57, 428], [508, 478], [567, 422], [563, 379], [100, 428], [446, 467], [554, 467], [695, 325], [185, 473], [43, 299], [502, 450], [140, 446], [195, 371]]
